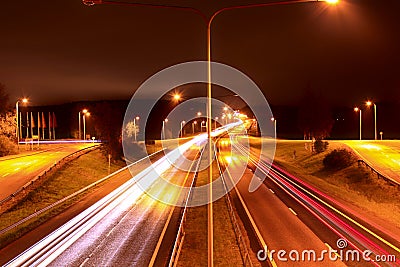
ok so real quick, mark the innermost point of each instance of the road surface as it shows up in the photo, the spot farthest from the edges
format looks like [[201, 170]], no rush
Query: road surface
[[293, 215], [384, 156], [122, 229], [16, 172]]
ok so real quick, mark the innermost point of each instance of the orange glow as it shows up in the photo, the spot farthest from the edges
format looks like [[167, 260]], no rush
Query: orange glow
[[199, 113], [166, 120], [332, 2], [87, 114], [225, 108], [137, 118], [272, 119], [84, 111], [356, 109], [25, 100], [368, 103], [177, 97]]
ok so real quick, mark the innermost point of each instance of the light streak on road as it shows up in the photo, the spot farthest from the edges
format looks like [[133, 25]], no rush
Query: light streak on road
[[108, 211], [307, 197]]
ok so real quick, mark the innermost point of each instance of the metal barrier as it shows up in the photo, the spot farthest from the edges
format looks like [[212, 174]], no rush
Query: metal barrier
[[73, 194], [43, 173], [379, 175], [181, 230]]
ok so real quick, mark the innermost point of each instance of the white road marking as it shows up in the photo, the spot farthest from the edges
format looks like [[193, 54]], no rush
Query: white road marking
[[6, 174], [293, 211], [271, 191], [17, 169]]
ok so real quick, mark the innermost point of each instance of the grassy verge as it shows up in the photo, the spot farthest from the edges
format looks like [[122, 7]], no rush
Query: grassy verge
[[70, 178], [195, 250], [354, 184]]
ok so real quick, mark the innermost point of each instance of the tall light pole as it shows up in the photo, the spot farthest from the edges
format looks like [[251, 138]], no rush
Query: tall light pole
[[24, 101], [134, 126], [356, 109], [163, 128], [274, 122], [80, 115], [182, 124], [369, 103], [208, 21], [84, 122]]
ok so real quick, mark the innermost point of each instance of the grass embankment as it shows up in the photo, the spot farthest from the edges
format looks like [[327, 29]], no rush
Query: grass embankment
[[70, 178], [195, 249], [354, 184]]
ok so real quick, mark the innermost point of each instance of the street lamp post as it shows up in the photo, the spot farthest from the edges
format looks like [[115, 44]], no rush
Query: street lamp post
[[84, 122], [369, 103], [24, 101], [208, 21], [163, 128], [274, 121], [134, 126], [356, 109], [182, 124]]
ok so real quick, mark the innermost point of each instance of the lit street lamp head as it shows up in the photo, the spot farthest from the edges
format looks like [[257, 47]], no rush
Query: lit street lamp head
[[368, 103], [177, 97], [332, 2], [84, 111], [25, 100], [356, 109]]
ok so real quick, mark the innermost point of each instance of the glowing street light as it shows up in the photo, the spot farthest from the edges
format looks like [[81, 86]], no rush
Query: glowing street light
[[177, 97], [274, 121], [369, 103], [85, 113], [208, 21], [24, 101], [134, 126], [356, 109], [163, 128], [182, 124]]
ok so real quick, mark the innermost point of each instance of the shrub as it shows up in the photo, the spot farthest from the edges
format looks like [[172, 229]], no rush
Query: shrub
[[320, 146], [7, 147], [338, 159]]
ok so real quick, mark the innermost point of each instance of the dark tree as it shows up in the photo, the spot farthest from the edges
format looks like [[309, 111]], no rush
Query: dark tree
[[108, 118], [315, 117], [4, 98]]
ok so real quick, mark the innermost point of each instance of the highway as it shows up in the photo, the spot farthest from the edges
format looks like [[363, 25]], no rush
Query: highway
[[384, 156], [293, 215], [127, 227], [16, 172]]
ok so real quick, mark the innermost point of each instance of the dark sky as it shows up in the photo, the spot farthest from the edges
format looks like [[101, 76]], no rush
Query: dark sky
[[56, 51]]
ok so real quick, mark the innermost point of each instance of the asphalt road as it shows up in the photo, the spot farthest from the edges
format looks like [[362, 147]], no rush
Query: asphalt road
[[292, 215], [126, 227], [277, 222], [16, 172]]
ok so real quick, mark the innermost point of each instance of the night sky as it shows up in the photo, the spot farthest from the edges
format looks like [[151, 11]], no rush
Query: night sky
[[60, 51]]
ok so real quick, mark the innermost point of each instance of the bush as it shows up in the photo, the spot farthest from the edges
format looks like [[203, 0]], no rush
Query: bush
[[7, 147], [338, 159], [320, 146]]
